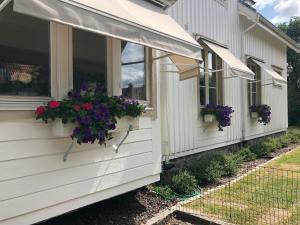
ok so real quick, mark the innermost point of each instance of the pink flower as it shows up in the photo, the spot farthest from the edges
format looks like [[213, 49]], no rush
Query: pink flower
[[40, 110], [87, 106], [77, 108], [54, 104]]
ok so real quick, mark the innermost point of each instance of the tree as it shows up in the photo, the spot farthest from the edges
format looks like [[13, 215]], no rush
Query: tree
[[292, 29]]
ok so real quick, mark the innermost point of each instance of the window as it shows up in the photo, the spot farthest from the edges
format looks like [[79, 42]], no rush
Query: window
[[89, 58], [133, 71], [211, 79], [24, 55], [254, 87]]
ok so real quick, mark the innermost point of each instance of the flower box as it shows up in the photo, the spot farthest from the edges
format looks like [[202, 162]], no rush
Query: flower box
[[59, 129], [254, 115], [125, 122], [209, 118]]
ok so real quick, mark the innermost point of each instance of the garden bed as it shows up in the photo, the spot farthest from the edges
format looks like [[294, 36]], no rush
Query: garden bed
[[133, 208]]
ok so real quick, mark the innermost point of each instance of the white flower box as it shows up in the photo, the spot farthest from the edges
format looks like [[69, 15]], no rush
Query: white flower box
[[59, 129], [209, 118], [254, 115], [125, 122]]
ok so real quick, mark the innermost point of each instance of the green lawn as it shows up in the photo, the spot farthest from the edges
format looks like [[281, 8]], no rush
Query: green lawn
[[268, 196]]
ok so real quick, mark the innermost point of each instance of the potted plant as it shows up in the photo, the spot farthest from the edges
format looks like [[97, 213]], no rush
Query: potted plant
[[89, 115], [262, 113], [222, 114]]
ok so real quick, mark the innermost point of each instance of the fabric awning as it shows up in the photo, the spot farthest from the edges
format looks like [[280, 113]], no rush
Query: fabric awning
[[237, 67], [276, 78], [130, 20], [187, 68]]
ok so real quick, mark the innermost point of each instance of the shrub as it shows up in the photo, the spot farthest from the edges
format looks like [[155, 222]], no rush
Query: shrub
[[246, 155], [294, 137], [272, 144], [165, 192], [183, 183], [230, 163], [206, 169], [260, 150], [284, 141]]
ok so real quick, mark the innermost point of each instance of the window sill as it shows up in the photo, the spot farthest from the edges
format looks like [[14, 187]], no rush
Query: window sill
[[21, 103]]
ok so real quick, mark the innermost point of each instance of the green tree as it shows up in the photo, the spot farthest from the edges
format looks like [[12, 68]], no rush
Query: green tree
[[292, 29]]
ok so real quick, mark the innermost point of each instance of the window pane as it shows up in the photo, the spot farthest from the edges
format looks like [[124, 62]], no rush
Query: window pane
[[254, 102], [89, 58], [133, 82], [212, 96], [133, 71], [24, 55], [202, 95], [132, 52]]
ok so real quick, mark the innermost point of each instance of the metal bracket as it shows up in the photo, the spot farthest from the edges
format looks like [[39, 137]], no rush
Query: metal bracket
[[68, 151], [117, 147]]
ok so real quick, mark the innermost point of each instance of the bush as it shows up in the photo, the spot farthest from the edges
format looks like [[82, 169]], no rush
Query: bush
[[183, 183], [260, 150], [246, 155], [165, 192], [272, 144], [284, 141], [294, 137], [206, 169], [230, 163]]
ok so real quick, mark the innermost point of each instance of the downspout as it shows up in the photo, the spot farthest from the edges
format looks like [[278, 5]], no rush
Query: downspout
[[243, 58]]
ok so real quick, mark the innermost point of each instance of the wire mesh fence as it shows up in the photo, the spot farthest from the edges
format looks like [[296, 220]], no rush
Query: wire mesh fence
[[265, 196]]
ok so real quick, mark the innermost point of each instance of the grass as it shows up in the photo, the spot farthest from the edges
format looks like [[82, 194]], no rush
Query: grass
[[270, 195]]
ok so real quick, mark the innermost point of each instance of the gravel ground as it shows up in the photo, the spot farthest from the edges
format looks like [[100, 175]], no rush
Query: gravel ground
[[133, 208]]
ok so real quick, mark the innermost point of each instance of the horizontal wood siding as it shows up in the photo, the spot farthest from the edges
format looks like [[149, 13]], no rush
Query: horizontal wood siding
[[35, 177]]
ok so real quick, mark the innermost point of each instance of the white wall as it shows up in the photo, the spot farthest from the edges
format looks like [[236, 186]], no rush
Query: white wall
[[35, 183], [184, 132]]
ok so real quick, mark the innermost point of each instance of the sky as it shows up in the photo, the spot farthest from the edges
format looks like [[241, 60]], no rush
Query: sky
[[278, 11]]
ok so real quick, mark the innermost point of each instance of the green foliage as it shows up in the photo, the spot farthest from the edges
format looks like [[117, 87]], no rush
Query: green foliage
[[206, 169], [164, 192], [294, 136], [230, 163], [246, 155], [183, 183], [260, 150], [292, 29]]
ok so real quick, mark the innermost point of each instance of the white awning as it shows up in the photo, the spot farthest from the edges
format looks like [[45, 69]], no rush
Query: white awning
[[237, 67], [276, 78], [187, 68], [130, 20]]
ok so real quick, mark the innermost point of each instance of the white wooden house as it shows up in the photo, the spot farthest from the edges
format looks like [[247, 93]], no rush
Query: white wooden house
[[228, 26], [49, 47]]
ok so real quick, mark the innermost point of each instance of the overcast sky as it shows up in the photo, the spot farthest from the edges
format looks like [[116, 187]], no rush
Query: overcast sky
[[278, 11]]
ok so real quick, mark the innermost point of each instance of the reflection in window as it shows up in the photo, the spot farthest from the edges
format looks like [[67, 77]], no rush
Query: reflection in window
[[24, 55], [254, 87], [89, 58], [211, 80], [133, 71]]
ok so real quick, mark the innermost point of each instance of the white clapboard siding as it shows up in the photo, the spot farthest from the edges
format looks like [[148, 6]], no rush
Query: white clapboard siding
[[19, 206], [36, 183], [219, 20]]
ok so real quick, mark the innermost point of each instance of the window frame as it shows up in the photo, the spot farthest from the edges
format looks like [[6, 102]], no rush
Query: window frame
[[10, 102], [257, 82], [148, 74], [219, 79]]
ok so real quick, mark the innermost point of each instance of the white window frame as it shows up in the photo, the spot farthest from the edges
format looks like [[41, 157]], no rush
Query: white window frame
[[61, 72], [9, 102], [219, 81], [257, 82]]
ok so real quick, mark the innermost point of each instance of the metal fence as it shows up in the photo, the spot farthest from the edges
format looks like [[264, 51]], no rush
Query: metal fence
[[264, 196]]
